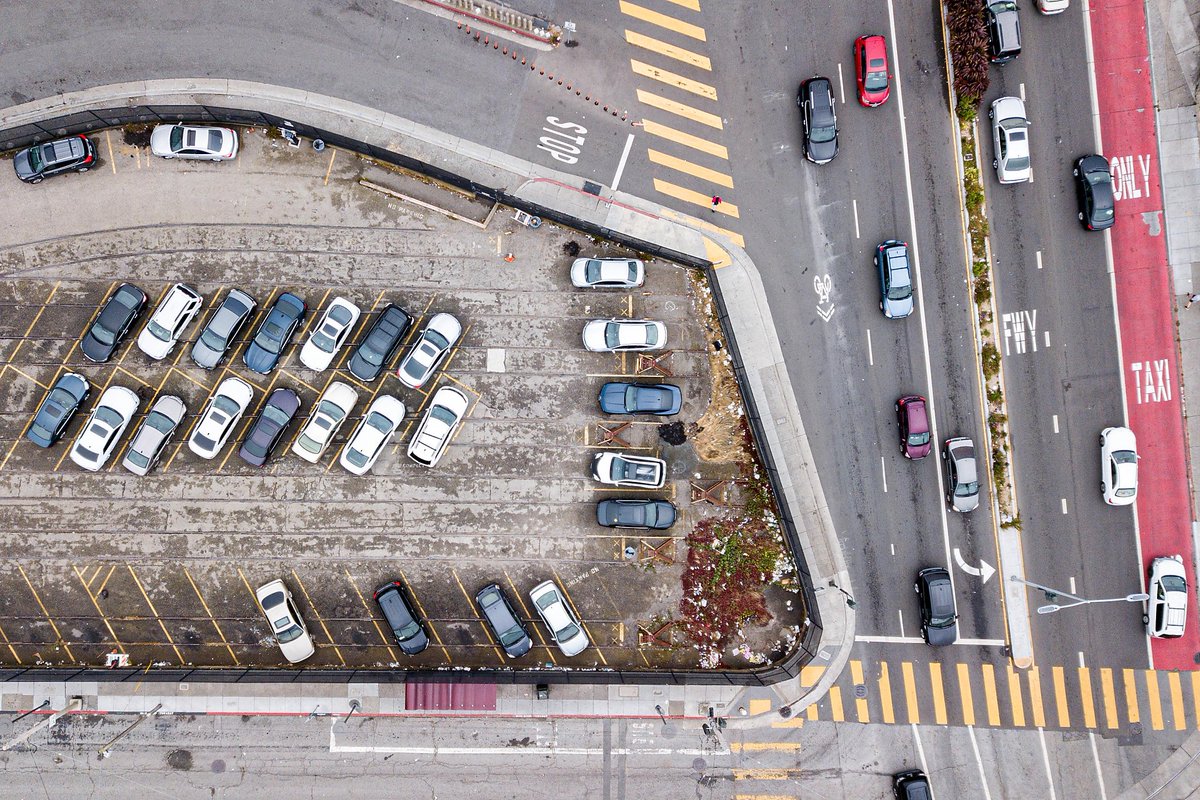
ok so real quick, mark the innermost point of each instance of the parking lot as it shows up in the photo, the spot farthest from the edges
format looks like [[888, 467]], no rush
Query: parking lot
[[163, 568]]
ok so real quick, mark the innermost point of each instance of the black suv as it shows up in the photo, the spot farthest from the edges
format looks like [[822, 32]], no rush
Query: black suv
[[397, 609], [1004, 31], [1094, 190], [113, 323], [939, 617], [819, 118], [911, 785], [72, 154], [381, 343], [500, 617]]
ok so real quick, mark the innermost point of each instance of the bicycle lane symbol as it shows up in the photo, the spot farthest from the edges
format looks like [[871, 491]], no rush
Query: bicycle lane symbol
[[823, 286]]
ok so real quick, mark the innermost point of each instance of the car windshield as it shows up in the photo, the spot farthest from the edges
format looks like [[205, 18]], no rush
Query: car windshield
[[159, 422], [966, 489], [379, 422], [271, 337], [593, 270], [918, 438], [567, 632], [158, 331], [512, 636], [210, 337], [900, 291], [436, 340], [825, 133], [408, 631], [309, 444], [877, 76], [226, 404], [108, 415], [442, 414], [331, 410], [612, 334], [177, 137], [288, 635], [276, 415], [1125, 457], [1097, 177], [138, 459], [1174, 583], [214, 141]]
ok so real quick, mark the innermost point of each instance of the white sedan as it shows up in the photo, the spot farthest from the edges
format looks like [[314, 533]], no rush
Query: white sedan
[[608, 273], [227, 405], [428, 351], [1010, 138], [374, 431], [565, 628], [613, 335], [443, 417], [286, 623], [329, 334], [99, 436], [332, 408], [175, 312], [1166, 609], [1053, 6], [203, 142], [1118, 466]]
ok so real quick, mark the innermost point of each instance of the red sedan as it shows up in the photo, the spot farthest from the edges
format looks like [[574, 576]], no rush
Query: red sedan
[[870, 63]]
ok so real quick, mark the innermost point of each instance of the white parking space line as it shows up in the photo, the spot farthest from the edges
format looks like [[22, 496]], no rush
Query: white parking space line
[[1022, 92], [1046, 336], [616, 181], [883, 469], [900, 614], [1038, 254], [1071, 583], [1055, 420], [870, 350], [889, 639], [979, 763], [841, 88], [1064, 506], [857, 235], [1046, 763]]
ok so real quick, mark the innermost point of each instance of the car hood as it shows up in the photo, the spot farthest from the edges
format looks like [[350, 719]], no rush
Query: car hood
[[942, 636], [898, 308], [823, 151], [22, 164], [160, 138], [259, 360]]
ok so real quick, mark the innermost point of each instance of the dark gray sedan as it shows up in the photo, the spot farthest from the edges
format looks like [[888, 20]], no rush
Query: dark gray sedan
[[381, 343], [662, 399], [113, 323], [654, 514], [222, 328], [59, 406], [263, 437], [284, 317]]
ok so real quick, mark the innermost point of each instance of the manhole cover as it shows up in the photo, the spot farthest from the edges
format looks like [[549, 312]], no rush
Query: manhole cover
[[699, 764], [218, 766], [860, 690]]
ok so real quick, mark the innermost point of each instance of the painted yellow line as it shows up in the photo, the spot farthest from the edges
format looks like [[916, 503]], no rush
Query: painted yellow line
[[1085, 695], [1196, 695], [796, 721], [663, 21], [1109, 696], [329, 169], [1016, 703], [989, 694], [885, 694], [717, 255], [103, 617], [811, 713], [1153, 699], [1176, 700], [387, 640], [57, 634], [690, 168], [36, 317], [154, 611], [679, 109], [809, 675], [1132, 712], [28, 377], [211, 618], [1035, 697], [910, 692], [750, 747], [673, 79], [695, 198], [104, 582], [669, 50], [686, 139], [939, 693], [964, 693], [690, 5], [759, 705], [1058, 676], [437, 638], [835, 704], [11, 649], [860, 703], [320, 619], [761, 774]]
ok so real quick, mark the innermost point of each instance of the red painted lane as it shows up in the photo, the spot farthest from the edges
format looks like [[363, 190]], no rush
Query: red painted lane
[[1145, 300]]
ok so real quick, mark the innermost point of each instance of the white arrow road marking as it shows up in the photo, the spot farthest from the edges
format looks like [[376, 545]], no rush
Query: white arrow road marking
[[985, 569], [825, 315]]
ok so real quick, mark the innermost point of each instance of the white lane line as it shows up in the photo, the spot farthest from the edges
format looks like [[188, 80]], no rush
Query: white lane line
[[900, 614], [889, 639], [621, 164], [1071, 583], [1055, 418], [1022, 90], [870, 350], [1080, 652], [983, 642], [1046, 336], [987, 794], [854, 203], [917, 738], [1038, 254], [1096, 762], [893, 548], [841, 88], [1064, 507], [883, 469], [1046, 763]]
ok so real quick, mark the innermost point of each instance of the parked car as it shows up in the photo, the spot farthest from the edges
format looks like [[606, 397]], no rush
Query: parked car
[[274, 333], [819, 118], [913, 417], [442, 419], [1010, 138], [565, 628], [219, 417], [505, 625], [1118, 466], [223, 328], [1004, 30], [613, 335], [332, 409], [608, 273], [71, 154], [911, 785], [112, 324], [59, 405], [962, 474], [939, 616], [1053, 6], [871, 68], [661, 399], [153, 434], [1094, 191], [621, 469], [429, 350], [374, 430], [895, 279], [645, 514], [197, 142], [1166, 609], [98, 438], [397, 610], [268, 428], [380, 344], [175, 312], [286, 623], [329, 334]]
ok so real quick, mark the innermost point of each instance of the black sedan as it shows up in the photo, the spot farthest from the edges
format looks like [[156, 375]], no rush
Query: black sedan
[[655, 514], [819, 118], [60, 404], [274, 333], [406, 626], [662, 399], [381, 343], [1094, 190], [268, 428], [939, 617], [113, 323]]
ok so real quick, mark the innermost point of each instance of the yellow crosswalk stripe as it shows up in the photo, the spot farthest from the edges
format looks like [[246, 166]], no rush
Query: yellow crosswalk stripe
[[910, 693], [835, 704], [1110, 697], [663, 21], [686, 139], [964, 692], [759, 705], [748, 747], [1035, 697], [795, 721], [1060, 696], [860, 703], [680, 109], [939, 694], [714, 252], [764, 797], [760, 774], [669, 50], [989, 694], [1154, 700], [1085, 695], [690, 168], [811, 712], [1131, 701], [1176, 700], [673, 79], [810, 674], [691, 5], [1196, 694], [1014, 698], [885, 694], [694, 197]]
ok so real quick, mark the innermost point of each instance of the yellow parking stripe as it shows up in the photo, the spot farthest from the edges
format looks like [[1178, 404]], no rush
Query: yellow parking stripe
[[885, 694], [320, 619], [154, 611], [939, 693], [1035, 697], [1131, 701], [1014, 698], [663, 21], [1085, 694], [690, 168], [1154, 699], [749, 747], [835, 704], [686, 139], [1110, 697], [989, 694], [669, 50], [964, 691], [1060, 696], [690, 5], [673, 79], [1176, 700], [860, 703], [910, 693], [765, 774], [211, 618], [53, 626], [694, 197]]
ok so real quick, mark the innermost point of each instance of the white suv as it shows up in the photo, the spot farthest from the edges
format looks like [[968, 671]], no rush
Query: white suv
[[168, 322], [1166, 610]]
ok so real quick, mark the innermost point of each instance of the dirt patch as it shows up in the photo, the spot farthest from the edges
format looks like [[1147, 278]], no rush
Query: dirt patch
[[719, 434]]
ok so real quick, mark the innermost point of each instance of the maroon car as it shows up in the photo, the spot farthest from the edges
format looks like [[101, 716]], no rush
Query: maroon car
[[913, 416]]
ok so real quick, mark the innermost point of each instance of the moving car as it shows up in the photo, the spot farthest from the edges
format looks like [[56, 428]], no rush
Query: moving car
[[1166, 609], [1004, 30], [222, 328], [895, 279], [374, 431], [646, 514], [619, 469], [608, 273], [332, 409], [151, 437], [198, 142], [939, 617], [225, 408], [819, 119], [98, 438], [428, 351], [175, 312], [962, 474], [380, 344], [116, 317], [911, 785], [613, 335], [269, 426], [1094, 191], [913, 417], [442, 419], [662, 399], [565, 628], [1118, 466], [871, 67], [71, 154], [58, 407], [407, 630], [329, 334], [1010, 138], [1053, 6], [499, 615], [286, 623], [274, 333]]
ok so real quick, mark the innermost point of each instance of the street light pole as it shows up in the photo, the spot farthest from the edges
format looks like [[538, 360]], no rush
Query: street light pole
[[1054, 594]]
